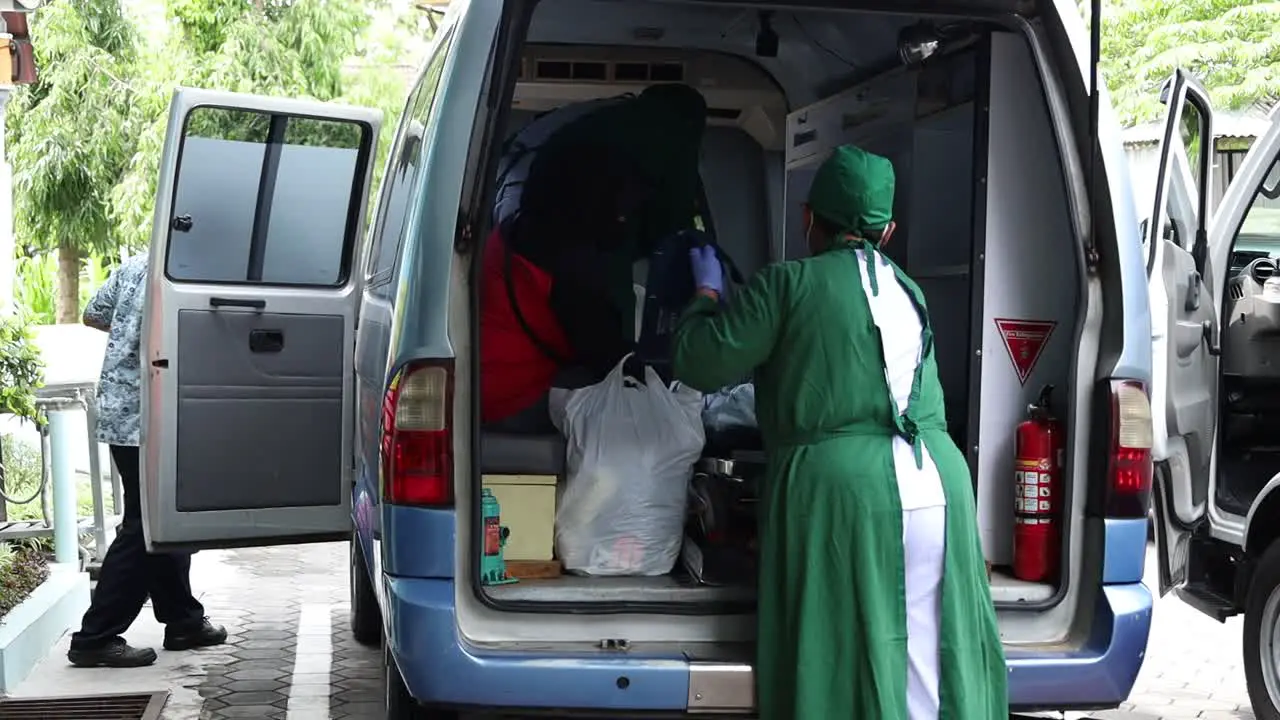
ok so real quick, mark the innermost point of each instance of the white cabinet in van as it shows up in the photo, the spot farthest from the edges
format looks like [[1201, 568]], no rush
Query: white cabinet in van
[[859, 115]]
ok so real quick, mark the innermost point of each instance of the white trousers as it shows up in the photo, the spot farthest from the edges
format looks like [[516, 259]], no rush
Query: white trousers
[[924, 545]]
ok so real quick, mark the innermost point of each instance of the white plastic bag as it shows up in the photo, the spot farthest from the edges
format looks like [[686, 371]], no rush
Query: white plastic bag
[[631, 450], [731, 408]]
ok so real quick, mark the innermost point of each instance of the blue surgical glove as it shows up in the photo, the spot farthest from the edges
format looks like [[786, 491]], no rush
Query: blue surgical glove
[[707, 273]]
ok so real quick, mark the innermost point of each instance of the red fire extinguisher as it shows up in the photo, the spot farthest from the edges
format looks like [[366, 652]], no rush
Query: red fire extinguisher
[[1037, 472]]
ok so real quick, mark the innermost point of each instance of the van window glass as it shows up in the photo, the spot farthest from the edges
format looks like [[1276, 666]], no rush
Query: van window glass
[[265, 198], [1181, 211], [1260, 230], [403, 167], [1190, 135]]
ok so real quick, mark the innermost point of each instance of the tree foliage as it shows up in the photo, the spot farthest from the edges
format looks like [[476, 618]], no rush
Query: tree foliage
[[286, 48], [72, 134], [1232, 46], [86, 140], [21, 369]]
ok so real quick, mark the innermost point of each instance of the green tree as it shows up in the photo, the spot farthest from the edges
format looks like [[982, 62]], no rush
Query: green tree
[[71, 136], [21, 369], [287, 48], [1232, 46]]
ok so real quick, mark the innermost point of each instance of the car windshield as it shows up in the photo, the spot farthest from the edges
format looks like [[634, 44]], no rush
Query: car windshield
[[1262, 225], [1259, 234]]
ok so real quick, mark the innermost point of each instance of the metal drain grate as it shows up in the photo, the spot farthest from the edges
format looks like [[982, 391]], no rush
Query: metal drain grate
[[124, 706]]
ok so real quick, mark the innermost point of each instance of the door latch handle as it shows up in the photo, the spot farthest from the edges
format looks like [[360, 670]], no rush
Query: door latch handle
[[1211, 339], [1194, 287], [266, 341], [250, 303], [182, 223]]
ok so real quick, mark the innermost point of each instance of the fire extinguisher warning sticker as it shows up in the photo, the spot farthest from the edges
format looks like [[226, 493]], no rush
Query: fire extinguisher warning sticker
[[1025, 340]]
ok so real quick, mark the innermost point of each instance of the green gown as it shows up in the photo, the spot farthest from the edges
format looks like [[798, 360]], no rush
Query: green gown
[[832, 616]]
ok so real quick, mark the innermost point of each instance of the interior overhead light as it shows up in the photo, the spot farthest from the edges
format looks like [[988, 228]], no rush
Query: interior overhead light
[[766, 38], [918, 42]]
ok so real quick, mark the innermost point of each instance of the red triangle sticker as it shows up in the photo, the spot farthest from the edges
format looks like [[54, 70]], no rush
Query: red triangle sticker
[[1025, 340]]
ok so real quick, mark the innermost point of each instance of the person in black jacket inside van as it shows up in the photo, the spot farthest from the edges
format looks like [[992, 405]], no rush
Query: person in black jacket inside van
[[599, 196], [550, 315], [573, 224]]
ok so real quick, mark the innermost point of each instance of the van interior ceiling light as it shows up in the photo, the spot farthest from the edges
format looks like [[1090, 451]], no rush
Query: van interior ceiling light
[[767, 37], [916, 43]]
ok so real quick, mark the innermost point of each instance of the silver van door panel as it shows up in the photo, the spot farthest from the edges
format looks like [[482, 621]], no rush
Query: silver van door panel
[[250, 316], [1184, 324]]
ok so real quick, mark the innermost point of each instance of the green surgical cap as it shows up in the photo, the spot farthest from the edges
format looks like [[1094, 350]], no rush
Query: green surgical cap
[[854, 190]]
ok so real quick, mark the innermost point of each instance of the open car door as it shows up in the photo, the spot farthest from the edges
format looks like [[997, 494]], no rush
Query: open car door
[[1184, 323], [1244, 244], [250, 321]]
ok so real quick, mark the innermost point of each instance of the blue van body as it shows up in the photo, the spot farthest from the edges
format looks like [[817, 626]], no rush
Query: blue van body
[[410, 553], [439, 667]]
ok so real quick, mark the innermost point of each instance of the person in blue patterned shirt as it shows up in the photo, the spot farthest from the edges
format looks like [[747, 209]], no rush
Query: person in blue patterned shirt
[[129, 573]]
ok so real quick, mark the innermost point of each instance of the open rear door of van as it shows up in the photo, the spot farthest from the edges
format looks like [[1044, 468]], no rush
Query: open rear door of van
[[250, 321], [1184, 323]]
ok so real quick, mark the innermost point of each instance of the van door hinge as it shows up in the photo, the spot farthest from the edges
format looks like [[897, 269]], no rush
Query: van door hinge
[[466, 235]]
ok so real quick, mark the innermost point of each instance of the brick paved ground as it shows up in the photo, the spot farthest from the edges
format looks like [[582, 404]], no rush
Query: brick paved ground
[[290, 652], [291, 655]]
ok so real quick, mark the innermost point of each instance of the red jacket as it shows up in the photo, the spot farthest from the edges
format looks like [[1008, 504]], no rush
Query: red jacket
[[514, 371]]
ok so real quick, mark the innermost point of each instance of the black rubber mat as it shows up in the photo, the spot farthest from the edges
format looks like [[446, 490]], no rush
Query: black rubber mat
[[130, 706]]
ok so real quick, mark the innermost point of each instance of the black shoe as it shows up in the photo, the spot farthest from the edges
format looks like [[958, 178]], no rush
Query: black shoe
[[206, 634], [115, 654]]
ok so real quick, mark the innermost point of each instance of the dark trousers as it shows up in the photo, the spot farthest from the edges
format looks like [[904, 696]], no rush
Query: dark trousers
[[130, 574]]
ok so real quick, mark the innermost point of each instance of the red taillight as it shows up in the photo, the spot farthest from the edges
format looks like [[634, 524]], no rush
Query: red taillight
[[417, 437], [1129, 464]]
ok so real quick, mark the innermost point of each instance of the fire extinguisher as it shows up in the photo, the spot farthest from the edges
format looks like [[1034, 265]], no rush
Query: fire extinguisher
[[1037, 473]]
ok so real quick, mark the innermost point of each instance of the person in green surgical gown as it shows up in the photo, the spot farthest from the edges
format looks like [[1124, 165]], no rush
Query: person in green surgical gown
[[874, 602]]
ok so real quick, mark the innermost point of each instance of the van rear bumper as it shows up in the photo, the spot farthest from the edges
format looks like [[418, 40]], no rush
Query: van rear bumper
[[1099, 674], [439, 668]]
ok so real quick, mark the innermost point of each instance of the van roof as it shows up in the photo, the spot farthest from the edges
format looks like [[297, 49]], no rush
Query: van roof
[[959, 7]]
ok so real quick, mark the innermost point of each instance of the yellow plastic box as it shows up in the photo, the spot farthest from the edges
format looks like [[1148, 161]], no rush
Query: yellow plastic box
[[527, 504]]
